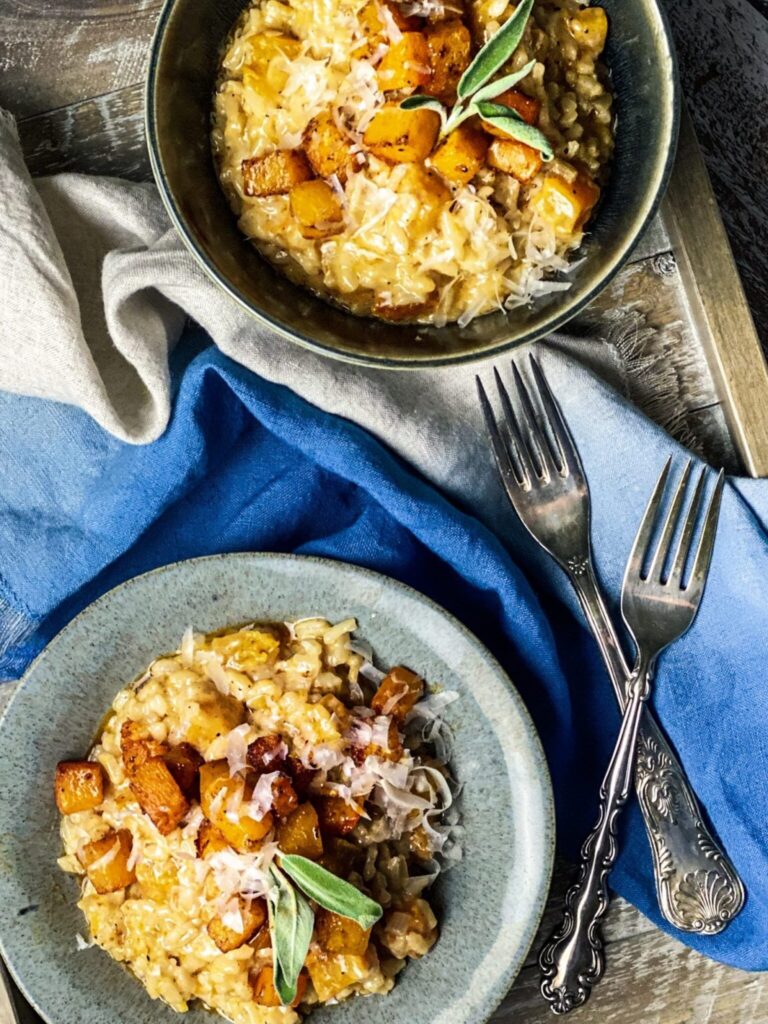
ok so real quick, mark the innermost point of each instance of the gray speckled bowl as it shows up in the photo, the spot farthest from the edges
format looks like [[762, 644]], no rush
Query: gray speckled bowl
[[489, 905]]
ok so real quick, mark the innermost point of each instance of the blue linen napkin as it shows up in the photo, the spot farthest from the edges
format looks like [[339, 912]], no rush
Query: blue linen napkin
[[247, 465]]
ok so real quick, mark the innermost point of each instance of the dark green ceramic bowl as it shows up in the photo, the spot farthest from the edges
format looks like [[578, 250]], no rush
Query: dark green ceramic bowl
[[179, 98]]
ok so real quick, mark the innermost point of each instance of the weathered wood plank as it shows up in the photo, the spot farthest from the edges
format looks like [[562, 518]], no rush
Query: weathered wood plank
[[104, 135], [63, 51]]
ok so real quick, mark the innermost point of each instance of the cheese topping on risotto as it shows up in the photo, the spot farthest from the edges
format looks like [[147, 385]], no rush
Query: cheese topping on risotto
[[366, 203], [238, 750]]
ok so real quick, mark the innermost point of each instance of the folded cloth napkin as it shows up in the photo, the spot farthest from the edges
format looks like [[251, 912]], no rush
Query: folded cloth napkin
[[94, 298]]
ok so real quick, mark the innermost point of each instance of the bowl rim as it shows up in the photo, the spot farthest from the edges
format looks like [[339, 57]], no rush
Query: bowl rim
[[644, 215], [505, 977]]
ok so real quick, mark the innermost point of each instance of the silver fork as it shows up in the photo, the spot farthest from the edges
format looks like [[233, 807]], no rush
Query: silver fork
[[696, 885], [658, 607]]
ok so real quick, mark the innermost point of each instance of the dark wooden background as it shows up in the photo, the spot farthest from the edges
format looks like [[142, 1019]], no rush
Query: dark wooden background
[[71, 71]]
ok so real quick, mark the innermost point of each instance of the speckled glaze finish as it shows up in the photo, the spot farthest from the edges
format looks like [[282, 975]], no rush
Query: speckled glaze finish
[[489, 905]]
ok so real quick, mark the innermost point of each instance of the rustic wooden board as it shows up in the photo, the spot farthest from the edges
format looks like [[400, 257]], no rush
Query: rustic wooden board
[[72, 72]]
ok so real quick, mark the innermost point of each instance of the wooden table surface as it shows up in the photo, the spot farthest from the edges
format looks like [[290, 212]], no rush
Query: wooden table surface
[[71, 71]]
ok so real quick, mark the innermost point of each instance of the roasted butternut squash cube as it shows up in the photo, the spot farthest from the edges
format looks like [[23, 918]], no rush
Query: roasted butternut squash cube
[[331, 974], [300, 833], [450, 48], [527, 107], [137, 746], [267, 753], [235, 933], [184, 764], [405, 66], [301, 776], [276, 173], [565, 205], [158, 794], [265, 993], [515, 158], [106, 861], [590, 28], [219, 714], [432, 196], [461, 154], [209, 840], [337, 817], [263, 72], [221, 800], [397, 693], [79, 785], [374, 28], [337, 934], [327, 147], [317, 208], [402, 136]]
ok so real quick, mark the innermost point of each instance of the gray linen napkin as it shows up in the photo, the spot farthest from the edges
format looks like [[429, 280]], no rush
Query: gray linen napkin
[[95, 287]]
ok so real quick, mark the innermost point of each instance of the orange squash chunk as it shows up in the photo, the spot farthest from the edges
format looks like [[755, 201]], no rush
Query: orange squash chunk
[[300, 833], [265, 993], [450, 47], [331, 974], [136, 746], [317, 208], [337, 934], [527, 107], [253, 914], [209, 840], [184, 765], [515, 158], [79, 785], [327, 147], [402, 136], [337, 817], [565, 205], [106, 861], [405, 65], [461, 155], [158, 794], [276, 173], [220, 800], [590, 28], [397, 693], [374, 28], [404, 312]]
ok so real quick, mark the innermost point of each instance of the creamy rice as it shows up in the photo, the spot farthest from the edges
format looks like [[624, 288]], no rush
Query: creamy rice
[[303, 683], [486, 244]]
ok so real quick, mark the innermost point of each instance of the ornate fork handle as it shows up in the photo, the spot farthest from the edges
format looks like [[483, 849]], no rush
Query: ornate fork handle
[[696, 884], [572, 961]]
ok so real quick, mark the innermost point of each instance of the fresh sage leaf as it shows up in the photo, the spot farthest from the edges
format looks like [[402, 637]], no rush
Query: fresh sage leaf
[[291, 922], [500, 85], [510, 122], [330, 891], [457, 116], [419, 102], [496, 51]]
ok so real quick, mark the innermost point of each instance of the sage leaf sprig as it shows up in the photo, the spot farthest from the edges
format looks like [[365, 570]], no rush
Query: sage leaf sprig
[[330, 891], [291, 922], [475, 88]]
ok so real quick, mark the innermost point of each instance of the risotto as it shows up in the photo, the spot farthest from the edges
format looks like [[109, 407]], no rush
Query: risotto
[[444, 208], [257, 785]]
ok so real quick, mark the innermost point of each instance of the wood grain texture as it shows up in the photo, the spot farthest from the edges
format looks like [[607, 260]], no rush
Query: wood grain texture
[[72, 72]]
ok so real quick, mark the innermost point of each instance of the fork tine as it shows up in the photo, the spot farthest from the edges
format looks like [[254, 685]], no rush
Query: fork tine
[[510, 472], [656, 569], [566, 454], [684, 544], [645, 532], [537, 443], [707, 541], [513, 429]]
